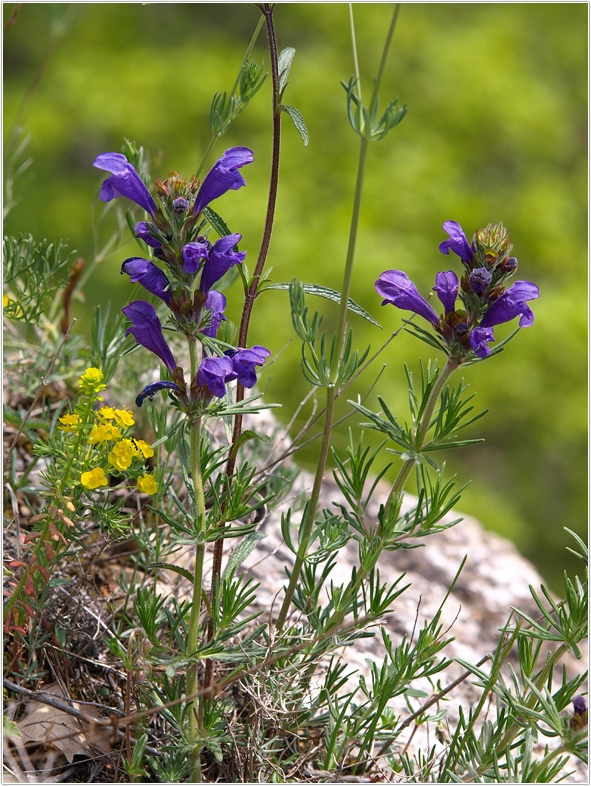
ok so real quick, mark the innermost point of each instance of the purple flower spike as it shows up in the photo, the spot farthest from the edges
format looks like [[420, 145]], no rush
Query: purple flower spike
[[216, 303], [512, 303], [124, 181], [244, 362], [479, 339], [150, 390], [457, 242], [221, 258], [149, 276], [480, 279], [141, 230], [446, 286], [193, 253], [397, 288], [214, 372], [147, 331], [223, 176]]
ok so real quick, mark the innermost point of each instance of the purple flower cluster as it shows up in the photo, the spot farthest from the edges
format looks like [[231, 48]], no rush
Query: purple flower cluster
[[484, 300], [194, 265]]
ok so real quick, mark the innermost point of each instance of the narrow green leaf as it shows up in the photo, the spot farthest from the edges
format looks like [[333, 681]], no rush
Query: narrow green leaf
[[330, 294], [242, 551], [216, 221], [175, 568], [298, 121]]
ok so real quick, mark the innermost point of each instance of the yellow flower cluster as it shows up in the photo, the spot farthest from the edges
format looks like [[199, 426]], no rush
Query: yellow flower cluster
[[69, 423], [110, 426], [103, 433], [93, 479], [92, 381]]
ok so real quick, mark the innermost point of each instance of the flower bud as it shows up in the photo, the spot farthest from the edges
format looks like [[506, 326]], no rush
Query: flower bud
[[180, 205]]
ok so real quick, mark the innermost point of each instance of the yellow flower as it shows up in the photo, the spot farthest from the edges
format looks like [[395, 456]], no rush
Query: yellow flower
[[69, 423], [124, 417], [122, 454], [108, 413], [14, 311], [95, 478], [103, 433], [145, 449], [146, 484], [92, 381]]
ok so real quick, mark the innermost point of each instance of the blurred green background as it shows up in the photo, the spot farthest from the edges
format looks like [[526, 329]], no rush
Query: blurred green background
[[495, 131]]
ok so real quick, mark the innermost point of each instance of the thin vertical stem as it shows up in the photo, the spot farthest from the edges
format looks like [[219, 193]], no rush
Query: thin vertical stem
[[341, 333], [193, 632], [267, 11], [331, 391]]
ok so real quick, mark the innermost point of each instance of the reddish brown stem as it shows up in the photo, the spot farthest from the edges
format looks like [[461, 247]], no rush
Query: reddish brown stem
[[267, 9]]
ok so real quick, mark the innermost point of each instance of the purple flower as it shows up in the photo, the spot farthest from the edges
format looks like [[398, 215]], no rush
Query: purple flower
[[141, 230], [479, 340], [150, 390], [220, 260], [213, 373], [397, 288], [223, 176], [244, 362], [457, 242], [147, 331], [149, 276], [193, 253], [124, 181], [512, 303], [216, 303], [580, 705], [480, 279], [446, 286]]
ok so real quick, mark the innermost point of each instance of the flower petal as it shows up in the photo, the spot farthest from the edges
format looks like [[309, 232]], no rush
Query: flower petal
[[223, 176], [216, 303], [512, 303], [446, 286], [397, 288], [149, 276], [457, 242], [221, 258], [479, 340], [150, 390], [193, 253], [244, 362], [147, 331], [141, 230], [124, 181], [213, 373]]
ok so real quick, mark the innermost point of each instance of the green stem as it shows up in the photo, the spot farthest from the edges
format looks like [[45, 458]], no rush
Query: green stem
[[311, 508], [332, 390], [384, 60], [193, 632], [354, 47], [249, 49], [423, 429]]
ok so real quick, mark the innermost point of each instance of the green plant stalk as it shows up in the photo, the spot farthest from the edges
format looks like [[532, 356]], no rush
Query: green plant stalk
[[423, 429], [215, 137], [332, 391], [193, 632]]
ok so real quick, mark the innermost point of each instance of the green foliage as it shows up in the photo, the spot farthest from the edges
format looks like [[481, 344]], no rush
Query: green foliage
[[31, 276]]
